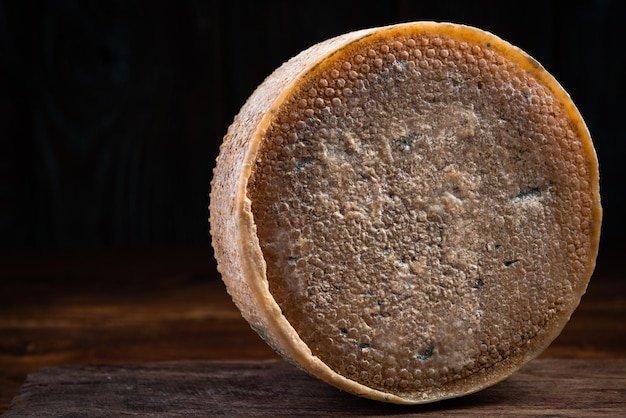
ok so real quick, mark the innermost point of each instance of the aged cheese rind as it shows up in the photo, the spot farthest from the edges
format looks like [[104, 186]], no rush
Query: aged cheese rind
[[279, 300]]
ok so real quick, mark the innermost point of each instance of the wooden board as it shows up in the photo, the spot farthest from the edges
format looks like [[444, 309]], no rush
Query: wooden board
[[274, 388]]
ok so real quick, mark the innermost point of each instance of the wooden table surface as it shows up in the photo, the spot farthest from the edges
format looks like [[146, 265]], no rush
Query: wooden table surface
[[122, 306]]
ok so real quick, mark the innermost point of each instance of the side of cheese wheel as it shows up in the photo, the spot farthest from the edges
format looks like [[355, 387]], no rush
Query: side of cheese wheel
[[409, 213]]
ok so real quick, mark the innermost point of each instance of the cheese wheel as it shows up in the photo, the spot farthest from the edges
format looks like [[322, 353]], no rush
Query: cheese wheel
[[409, 213]]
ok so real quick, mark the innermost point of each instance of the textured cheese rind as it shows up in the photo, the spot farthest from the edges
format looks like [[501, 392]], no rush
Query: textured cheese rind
[[234, 234]]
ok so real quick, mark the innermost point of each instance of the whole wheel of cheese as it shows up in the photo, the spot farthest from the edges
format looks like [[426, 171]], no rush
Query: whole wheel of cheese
[[409, 213]]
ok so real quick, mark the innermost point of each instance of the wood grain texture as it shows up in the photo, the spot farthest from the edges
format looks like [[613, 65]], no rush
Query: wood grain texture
[[115, 306], [151, 305], [548, 387]]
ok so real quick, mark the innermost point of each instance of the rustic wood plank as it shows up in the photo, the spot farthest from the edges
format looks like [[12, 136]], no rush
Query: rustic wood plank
[[274, 388], [153, 305], [115, 306]]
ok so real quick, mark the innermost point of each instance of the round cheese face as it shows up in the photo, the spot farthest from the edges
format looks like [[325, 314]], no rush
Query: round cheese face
[[409, 213]]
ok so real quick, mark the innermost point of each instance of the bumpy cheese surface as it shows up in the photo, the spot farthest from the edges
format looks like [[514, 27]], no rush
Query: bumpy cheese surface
[[421, 206]]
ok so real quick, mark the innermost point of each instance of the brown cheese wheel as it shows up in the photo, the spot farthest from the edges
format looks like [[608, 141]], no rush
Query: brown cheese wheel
[[409, 213]]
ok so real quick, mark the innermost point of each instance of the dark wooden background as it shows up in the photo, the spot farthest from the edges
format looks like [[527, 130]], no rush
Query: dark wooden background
[[111, 112], [111, 115]]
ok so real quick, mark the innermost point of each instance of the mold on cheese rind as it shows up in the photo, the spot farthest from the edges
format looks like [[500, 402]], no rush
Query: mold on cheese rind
[[409, 213]]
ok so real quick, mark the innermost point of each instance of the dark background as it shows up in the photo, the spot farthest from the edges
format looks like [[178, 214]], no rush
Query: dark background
[[112, 112]]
